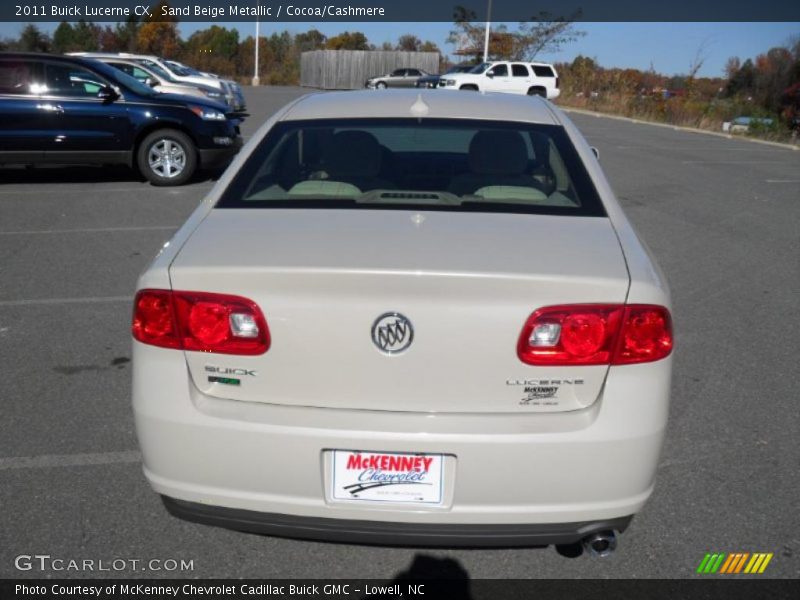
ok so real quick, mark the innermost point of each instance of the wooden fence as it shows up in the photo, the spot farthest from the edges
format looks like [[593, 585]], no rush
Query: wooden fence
[[350, 69]]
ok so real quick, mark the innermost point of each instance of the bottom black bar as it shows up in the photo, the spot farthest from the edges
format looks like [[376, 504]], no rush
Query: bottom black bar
[[405, 586]]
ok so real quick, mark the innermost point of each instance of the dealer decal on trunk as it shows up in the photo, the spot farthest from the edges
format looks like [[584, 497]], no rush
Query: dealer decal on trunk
[[541, 392]]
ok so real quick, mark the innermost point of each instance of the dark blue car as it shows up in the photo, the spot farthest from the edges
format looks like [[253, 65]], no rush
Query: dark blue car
[[68, 110]]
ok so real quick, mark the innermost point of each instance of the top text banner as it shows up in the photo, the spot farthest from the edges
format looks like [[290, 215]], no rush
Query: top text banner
[[399, 10]]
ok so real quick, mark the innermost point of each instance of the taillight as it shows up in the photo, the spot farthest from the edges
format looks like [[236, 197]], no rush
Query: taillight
[[200, 321], [154, 319], [596, 334], [646, 335]]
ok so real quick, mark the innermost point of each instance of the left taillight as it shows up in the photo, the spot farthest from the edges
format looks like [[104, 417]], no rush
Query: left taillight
[[200, 321]]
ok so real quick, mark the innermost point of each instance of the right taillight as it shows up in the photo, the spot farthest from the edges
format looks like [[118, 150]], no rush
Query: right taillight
[[646, 335], [596, 334], [200, 321]]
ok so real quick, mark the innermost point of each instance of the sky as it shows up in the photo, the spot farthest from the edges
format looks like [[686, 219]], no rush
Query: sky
[[670, 47]]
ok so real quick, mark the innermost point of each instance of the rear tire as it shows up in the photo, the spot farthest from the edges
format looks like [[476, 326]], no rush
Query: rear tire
[[167, 157], [469, 87], [537, 91]]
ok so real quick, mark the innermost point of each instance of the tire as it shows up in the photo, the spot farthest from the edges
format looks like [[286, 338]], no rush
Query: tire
[[181, 156], [381, 85], [469, 87], [537, 91]]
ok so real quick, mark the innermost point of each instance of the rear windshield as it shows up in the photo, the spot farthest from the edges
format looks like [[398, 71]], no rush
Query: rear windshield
[[416, 164]]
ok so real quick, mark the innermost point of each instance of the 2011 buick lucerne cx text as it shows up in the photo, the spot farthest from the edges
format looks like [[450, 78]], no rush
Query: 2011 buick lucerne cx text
[[419, 321]]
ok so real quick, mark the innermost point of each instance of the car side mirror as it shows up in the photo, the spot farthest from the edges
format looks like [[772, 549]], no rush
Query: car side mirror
[[596, 153], [150, 82], [490, 74], [107, 94]]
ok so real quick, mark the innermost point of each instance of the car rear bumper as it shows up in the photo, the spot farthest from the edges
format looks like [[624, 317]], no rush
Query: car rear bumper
[[584, 468], [391, 534]]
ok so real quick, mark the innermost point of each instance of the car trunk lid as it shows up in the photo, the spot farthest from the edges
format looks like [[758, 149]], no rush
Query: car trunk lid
[[466, 282]]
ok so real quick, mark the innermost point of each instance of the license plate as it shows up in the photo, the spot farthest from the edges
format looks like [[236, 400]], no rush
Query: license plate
[[387, 477]]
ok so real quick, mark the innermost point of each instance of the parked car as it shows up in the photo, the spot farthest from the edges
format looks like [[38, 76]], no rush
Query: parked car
[[68, 110], [422, 321], [533, 79], [745, 124], [180, 74], [397, 78], [434, 81], [231, 86], [161, 81]]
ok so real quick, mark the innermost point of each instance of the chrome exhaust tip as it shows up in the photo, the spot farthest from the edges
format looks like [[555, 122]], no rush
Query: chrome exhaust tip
[[600, 544]]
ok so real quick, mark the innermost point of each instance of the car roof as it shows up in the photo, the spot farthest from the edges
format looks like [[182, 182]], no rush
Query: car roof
[[40, 55], [128, 61], [124, 55], [432, 104], [75, 60]]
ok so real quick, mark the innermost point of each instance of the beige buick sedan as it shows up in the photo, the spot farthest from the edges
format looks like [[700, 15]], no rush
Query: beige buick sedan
[[419, 321]]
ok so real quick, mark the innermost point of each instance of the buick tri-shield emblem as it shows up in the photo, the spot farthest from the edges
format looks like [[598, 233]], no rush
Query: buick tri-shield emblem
[[392, 333]]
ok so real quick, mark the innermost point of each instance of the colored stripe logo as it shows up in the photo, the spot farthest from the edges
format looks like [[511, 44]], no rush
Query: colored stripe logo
[[734, 563]]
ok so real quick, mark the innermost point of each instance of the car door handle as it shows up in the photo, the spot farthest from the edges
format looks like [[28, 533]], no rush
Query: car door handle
[[54, 108]]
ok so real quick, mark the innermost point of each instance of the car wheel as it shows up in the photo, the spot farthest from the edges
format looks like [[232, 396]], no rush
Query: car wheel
[[537, 91], [167, 157], [469, 87], [381, 85]]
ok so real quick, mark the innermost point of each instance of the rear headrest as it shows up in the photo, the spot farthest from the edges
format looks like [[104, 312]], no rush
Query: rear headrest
[[353, 154], [498, 153]]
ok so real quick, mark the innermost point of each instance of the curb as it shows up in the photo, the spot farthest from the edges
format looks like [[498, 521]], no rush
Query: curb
[[727, 136]]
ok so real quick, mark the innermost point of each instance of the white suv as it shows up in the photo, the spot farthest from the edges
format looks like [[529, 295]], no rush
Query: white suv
[[533, 79]]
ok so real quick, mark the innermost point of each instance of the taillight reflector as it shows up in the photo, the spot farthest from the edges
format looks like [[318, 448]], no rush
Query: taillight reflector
[[200, 321], [596, 334]]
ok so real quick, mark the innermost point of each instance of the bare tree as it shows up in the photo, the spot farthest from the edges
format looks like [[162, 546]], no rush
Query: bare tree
[[543, 33], [547, 34], [700, 57]]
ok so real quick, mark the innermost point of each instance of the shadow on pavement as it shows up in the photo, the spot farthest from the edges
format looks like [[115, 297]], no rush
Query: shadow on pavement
[[451, 579]]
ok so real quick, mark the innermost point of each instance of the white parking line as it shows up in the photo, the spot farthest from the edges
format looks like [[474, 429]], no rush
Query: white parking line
[[46, 301], [41, 189], [70, 460], [92, 230], [721, 148], [728, 162], [69, 188], [783, 180]]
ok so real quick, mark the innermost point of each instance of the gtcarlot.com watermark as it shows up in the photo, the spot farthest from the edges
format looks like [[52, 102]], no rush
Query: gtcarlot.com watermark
[[48, 563]]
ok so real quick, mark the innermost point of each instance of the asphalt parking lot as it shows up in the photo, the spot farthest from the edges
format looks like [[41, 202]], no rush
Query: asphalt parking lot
[[722, 217]]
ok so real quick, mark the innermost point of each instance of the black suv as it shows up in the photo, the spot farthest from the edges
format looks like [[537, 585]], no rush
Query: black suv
[[68, 110]]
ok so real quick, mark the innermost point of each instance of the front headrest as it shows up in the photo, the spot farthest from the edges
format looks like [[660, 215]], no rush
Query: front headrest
[[353, 154], [498, 152]]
